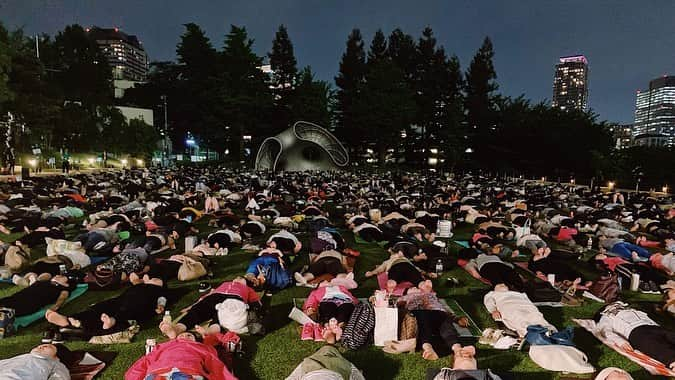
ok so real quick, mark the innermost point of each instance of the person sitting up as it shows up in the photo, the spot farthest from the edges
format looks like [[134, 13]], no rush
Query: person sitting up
[[180, 358], [514, 309], [41, 363], [326, 364]]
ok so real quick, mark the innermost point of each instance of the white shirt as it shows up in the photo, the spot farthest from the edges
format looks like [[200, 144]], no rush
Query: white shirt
[[516, 309], [624, 321], [34, 367]]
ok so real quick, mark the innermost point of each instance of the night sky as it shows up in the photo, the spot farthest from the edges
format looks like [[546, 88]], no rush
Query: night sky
[[627, 43]]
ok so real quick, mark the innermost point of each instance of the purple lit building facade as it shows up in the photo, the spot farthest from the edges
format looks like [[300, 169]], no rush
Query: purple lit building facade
[[570, 84]]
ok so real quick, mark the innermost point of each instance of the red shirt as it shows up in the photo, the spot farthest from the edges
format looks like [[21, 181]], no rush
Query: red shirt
[[238, 289]]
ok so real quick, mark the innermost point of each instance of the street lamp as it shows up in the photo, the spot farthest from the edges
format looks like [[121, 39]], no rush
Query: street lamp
[[90, 160], [139, 162], [124, 162], [610, 185]]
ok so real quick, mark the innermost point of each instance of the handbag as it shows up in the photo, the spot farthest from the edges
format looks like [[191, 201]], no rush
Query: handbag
[[103, 279], [7, 319], [606, 287], [191, 269], [538, 335], [386, 325]]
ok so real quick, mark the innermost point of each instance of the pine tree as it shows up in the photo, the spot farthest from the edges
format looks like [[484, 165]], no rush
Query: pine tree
[[312, 99], [5, 67], [349, 81], [284, 71], [480, 86], [196, 53], [401, 50], [378, 49], [282, 61]]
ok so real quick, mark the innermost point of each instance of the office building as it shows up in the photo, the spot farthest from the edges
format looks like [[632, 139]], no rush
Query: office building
[[655, 113], [124, 52], [570, 84], [622, 135]]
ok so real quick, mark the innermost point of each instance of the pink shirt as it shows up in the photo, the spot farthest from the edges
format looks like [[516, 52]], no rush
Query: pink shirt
[[317, 295], [246, 293], [190, 357]]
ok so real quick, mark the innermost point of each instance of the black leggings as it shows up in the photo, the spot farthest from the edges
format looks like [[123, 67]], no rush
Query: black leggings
[[328, 310], [498, 273], [165, 269], [326, 265], [402, 272], [654, 341], [435, 327], [204, 309]]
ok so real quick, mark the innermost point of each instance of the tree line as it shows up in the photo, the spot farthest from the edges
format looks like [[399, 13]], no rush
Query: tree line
[[395, 100], [62, 100]]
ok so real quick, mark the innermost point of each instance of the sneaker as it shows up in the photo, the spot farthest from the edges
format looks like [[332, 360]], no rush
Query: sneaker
[[48, 337], [307, 332], [654, 288], [318, 332], [58, 338]]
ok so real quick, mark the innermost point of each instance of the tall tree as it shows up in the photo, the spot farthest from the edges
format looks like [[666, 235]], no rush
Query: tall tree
[[349, 80], [480, 87], [378, 49], [5, 66], [312, 99], [282, 61], [284, 72], [244, 96], [193, 104], [401, 50]]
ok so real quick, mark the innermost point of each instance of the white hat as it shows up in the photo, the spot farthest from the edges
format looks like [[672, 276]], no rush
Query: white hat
[[605, 373], [560, 358]]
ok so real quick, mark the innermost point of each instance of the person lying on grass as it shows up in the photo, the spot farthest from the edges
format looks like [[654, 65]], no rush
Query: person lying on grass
[[326, 364], [400, 269], [139, 302], [268, 270], [43, 292], [41, 363], [236, 294], [331, 306], [436, 334], [180, 358], [514, 309]]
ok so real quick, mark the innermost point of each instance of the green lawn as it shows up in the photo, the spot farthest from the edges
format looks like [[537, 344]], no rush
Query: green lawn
[[274, 355]]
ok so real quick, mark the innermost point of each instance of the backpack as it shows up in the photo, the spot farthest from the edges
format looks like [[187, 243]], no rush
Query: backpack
[[7, 319], [359, 329], [606, 287]]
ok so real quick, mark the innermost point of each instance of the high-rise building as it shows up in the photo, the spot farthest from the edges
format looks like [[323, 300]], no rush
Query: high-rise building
[[622, 135], [570, 84], [655, 113], [125, 53]]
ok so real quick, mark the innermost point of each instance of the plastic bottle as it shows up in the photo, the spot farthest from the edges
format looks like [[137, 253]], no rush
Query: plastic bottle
[[589, 245], [150, 345], [439, 266], [62, 269], [167, 317], [634, 282]]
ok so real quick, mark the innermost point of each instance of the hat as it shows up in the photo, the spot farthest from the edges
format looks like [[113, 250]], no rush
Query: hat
[[560, 358]]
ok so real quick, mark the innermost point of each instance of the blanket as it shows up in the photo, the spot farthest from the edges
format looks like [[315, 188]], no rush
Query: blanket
[[84, 365], [26, 320], [621, 345]]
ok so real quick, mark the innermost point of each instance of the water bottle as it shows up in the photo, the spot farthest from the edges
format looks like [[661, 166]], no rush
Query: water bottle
[[634, 282], [589, 245], [167, 317], [439, 266], [150, 345], [620, 281], [62, 269]]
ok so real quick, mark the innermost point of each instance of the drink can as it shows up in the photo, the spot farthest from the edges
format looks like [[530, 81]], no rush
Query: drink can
[[551, 278]]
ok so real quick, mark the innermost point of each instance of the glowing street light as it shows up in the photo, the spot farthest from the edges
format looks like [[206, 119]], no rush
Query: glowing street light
[[468, 150], [90, 160], [139, 162], [32, 162], [610, 185], [664, 189], [124, 162]]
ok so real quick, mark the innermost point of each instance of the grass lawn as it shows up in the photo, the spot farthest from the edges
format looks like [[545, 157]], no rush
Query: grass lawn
[[274, 355]]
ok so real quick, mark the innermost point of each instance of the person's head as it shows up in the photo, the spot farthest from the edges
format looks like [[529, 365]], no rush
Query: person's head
[[240, 280], [501, 288], [187, 336], [108, 321], [45, 350]]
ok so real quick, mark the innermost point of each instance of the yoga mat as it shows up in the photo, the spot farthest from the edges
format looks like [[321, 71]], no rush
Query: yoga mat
[[30, 318], [463, 243]]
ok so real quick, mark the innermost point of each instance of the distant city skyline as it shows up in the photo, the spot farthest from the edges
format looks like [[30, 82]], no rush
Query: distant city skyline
[[627, 43], [570, 83]]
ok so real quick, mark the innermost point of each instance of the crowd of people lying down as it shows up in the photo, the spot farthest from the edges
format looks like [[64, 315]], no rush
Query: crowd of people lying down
[[531, 243]]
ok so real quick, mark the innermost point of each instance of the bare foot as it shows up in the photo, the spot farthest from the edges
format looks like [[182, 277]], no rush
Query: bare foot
[[168, 330], [428, 352], [56, 319], [134, 279]]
